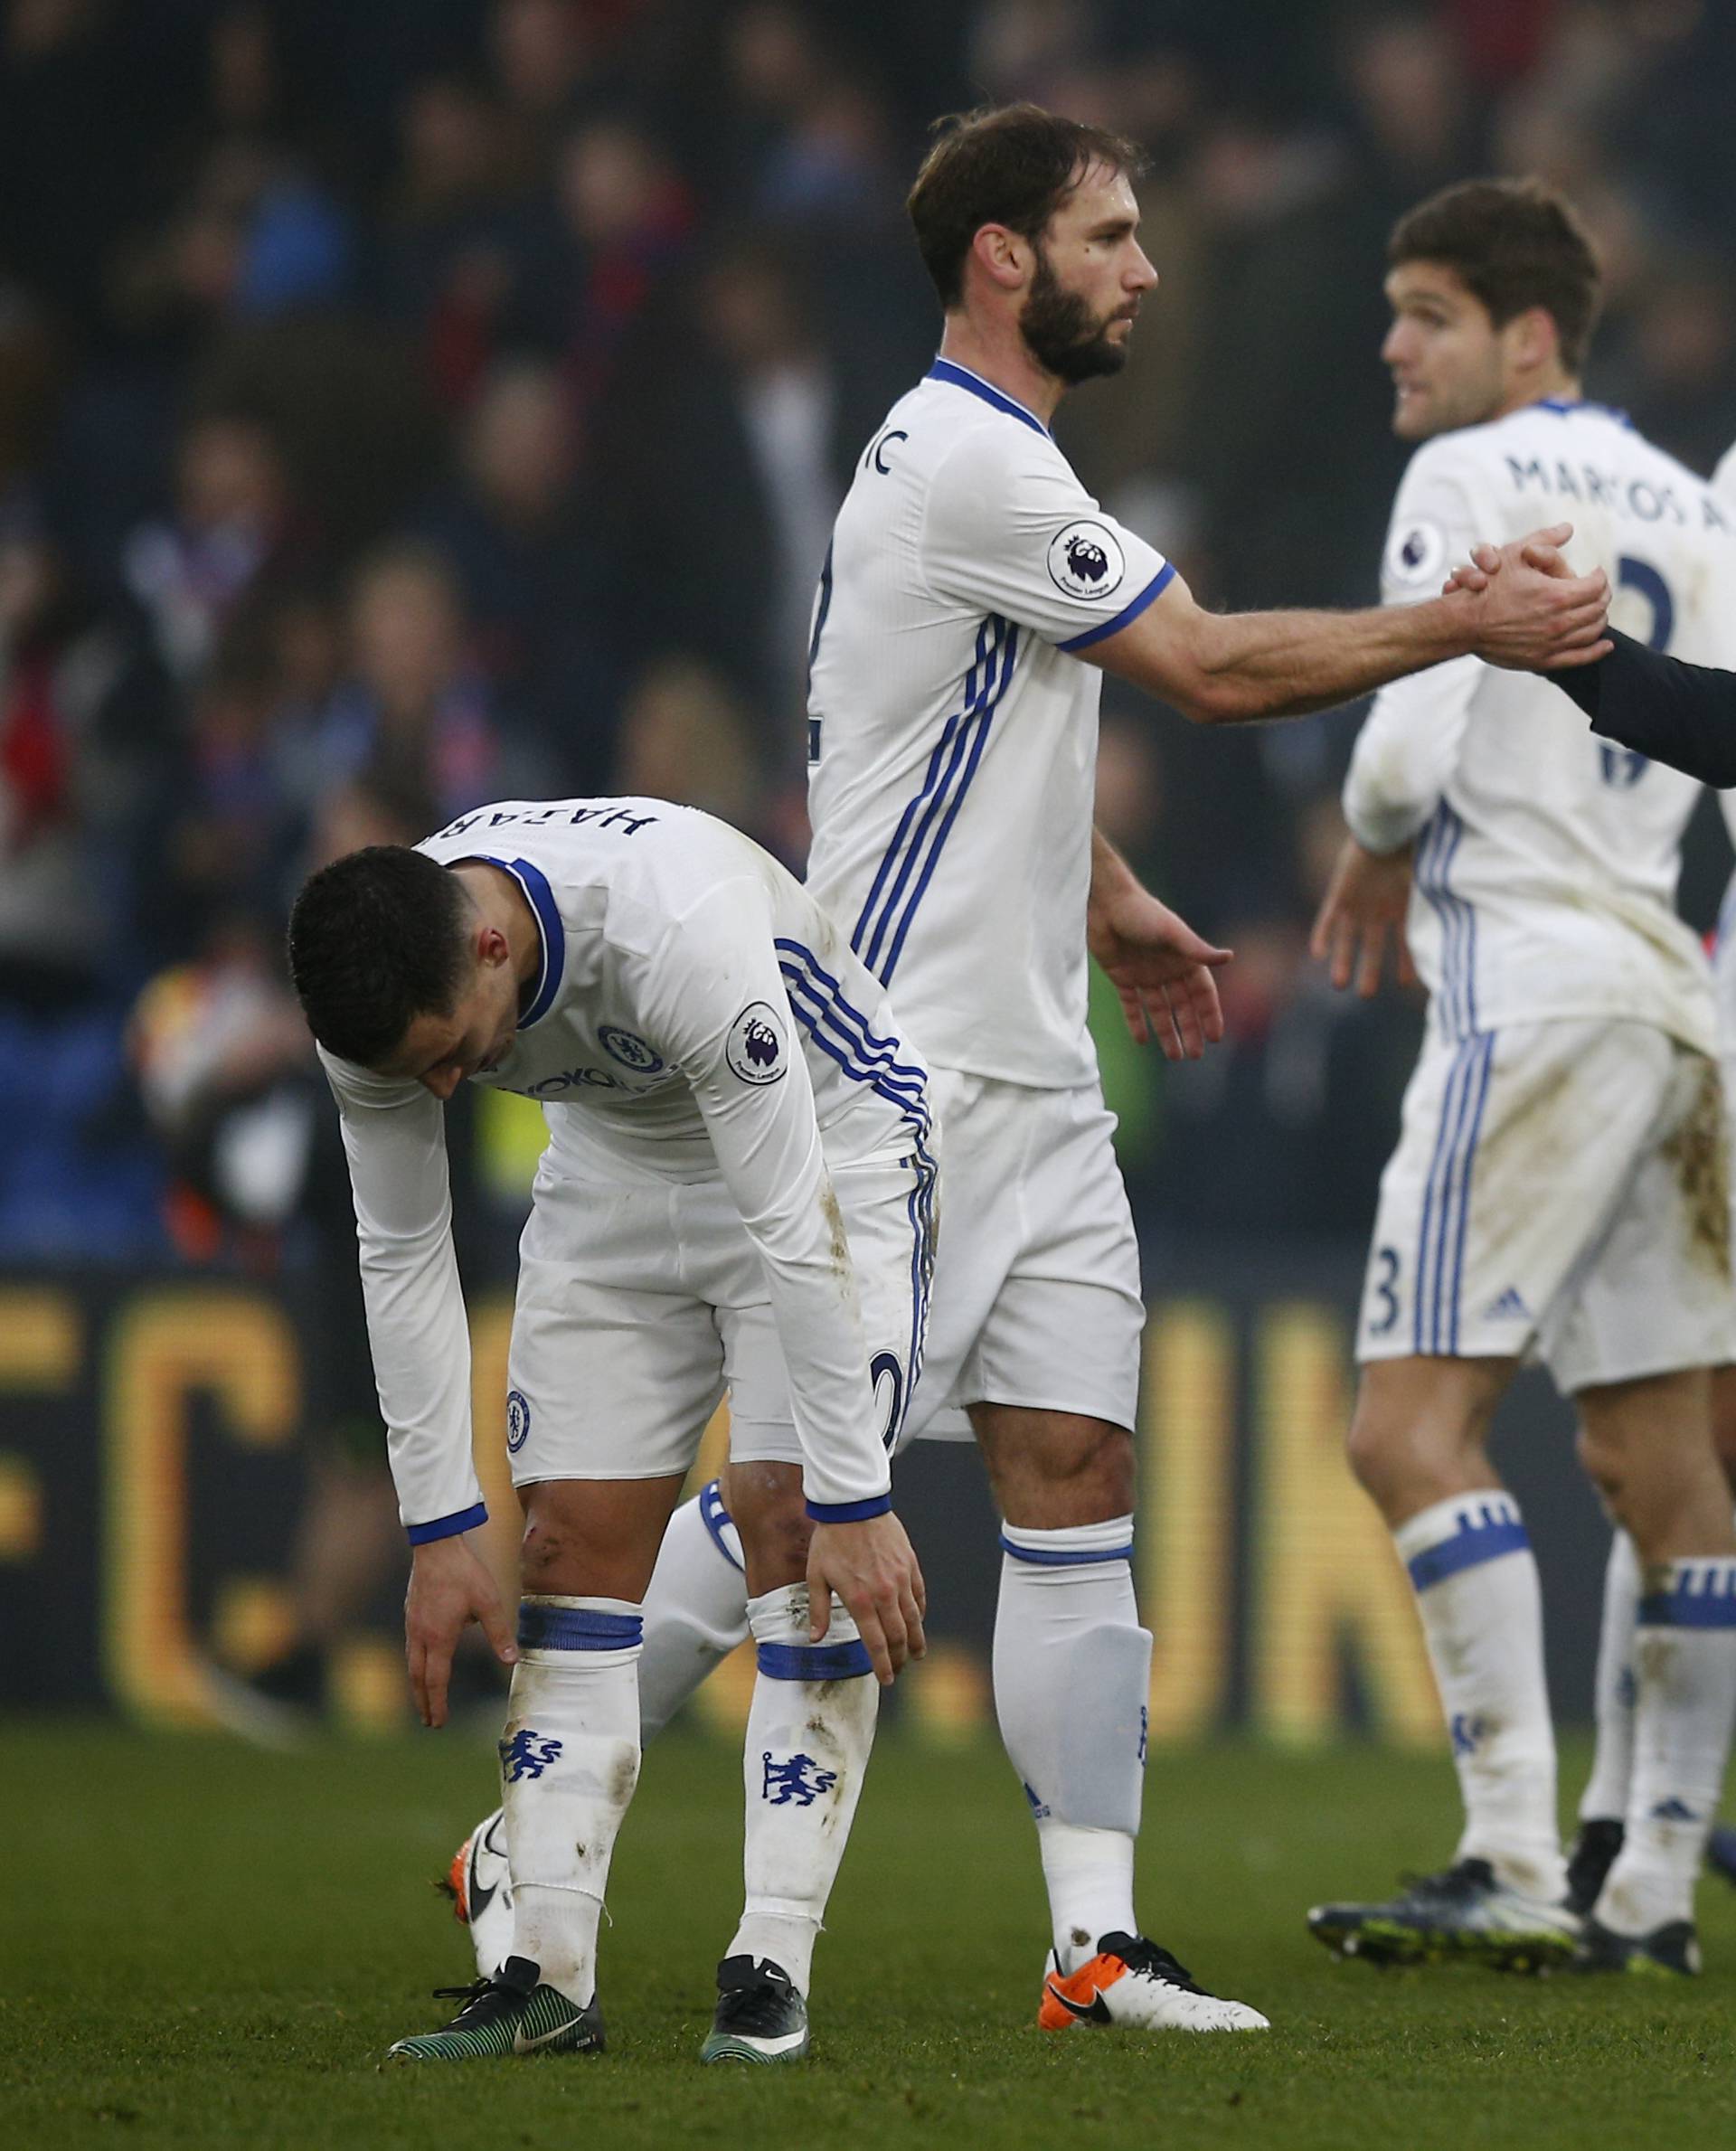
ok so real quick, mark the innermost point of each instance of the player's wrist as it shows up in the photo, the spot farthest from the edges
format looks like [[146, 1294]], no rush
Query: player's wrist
[[437, 1530], [849, 1512], [1449, 626]]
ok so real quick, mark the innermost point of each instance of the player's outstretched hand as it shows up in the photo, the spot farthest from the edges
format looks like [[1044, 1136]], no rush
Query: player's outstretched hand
[[1363, 908], [1162, 970], [448, 1588], [1537, 614], [872, 1567], [1485, 563]]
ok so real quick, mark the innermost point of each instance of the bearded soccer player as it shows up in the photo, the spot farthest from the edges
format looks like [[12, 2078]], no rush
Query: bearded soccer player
[[738, 1191], [1558, 1192], [972, 595]]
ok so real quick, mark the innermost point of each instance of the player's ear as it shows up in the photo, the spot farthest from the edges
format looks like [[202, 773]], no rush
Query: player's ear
[[1532, 339], [1004, 256]]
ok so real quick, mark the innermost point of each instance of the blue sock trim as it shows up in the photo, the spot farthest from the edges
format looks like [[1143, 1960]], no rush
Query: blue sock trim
[[448, 1527], [577, 1629], [714, 1516], [849, 1512], [813, 1661], [1482, 1535], [1703, 1600], [1043, 1557]]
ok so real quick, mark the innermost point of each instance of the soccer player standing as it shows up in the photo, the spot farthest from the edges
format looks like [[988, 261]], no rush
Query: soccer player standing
[[971, 595], [738, 1189], [1559, 1187]]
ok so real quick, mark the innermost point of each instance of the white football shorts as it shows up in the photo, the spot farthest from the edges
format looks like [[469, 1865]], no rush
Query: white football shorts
[[1037, 1298], [1723, 984], [639, 1305], [1559, 1192]]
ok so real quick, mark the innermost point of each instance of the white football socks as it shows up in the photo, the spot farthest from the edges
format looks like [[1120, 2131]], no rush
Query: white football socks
[[1072, 1670], [1684, 1705], [1481, 1605], [810, 1730], [568, 1762], [695, 1608], [1605, 1798]]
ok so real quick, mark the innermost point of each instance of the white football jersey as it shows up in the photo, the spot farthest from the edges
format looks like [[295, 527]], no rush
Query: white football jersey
[[1723, 961], [1546, 859], [695, 1014], [952, 726]]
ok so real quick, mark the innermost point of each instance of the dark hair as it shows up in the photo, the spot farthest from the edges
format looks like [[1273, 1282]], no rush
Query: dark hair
[[1012, 164], [1513, 244], [376, 938]]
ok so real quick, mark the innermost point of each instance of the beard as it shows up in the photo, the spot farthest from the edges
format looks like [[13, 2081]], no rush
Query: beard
[[1061, 333]]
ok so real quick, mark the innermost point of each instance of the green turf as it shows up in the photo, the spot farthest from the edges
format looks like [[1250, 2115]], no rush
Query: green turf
[[205, 1946]]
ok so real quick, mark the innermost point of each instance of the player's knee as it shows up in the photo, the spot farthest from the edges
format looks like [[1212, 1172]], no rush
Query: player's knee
[[548, 1556], [1095, 1467], [1372, 1448], [1724, 1421], [1102, 1470], [1605, 1463], [770, 1511], [1050, 1471]]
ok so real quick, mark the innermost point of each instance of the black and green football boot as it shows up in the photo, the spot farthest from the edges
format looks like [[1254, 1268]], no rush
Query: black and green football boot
[[760, 2017], [510, 2013]]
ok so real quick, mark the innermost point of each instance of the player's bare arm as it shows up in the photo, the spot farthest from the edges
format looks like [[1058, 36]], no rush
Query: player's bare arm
[[1158, 966], [1362, 915], [1228, 668], [873, 1568], [449, 1587]]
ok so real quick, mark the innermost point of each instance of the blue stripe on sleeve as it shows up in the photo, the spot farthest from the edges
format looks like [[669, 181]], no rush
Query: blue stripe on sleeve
[[448, 1527], [850, 1511], [1155, 589]]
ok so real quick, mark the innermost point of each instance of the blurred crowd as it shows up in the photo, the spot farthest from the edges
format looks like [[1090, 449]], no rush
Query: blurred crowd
[[411, 403]]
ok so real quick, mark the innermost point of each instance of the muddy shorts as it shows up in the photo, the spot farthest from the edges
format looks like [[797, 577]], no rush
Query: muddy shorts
[[641, 1304], [1559, 1192]]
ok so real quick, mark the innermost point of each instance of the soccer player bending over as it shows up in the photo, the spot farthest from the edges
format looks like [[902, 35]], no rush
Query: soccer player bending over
[[739, 1190], [972, 595], [1558, 1190]]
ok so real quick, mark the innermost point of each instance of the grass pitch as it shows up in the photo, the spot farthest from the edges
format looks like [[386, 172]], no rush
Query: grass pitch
[[205, 1946]]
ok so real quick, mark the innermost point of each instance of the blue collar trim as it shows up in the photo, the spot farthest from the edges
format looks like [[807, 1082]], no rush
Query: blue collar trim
[[533, 880], [961, 377], [1562, 405]]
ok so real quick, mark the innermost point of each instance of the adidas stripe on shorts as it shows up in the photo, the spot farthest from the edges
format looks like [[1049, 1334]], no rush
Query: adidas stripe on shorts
[[1560, 1192]]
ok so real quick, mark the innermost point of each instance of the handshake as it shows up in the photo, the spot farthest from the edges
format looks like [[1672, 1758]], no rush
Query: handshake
[[1536, 615]]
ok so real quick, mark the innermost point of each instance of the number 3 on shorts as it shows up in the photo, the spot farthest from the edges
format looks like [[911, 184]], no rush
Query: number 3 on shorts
[[1385, 1292]]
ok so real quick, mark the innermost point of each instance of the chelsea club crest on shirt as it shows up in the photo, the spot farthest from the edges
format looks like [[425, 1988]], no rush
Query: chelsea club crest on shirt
[[1086, 561], [630, 1051]]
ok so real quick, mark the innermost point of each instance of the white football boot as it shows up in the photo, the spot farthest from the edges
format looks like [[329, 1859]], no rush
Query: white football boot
[[1133, 1983], [481, 1888]]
